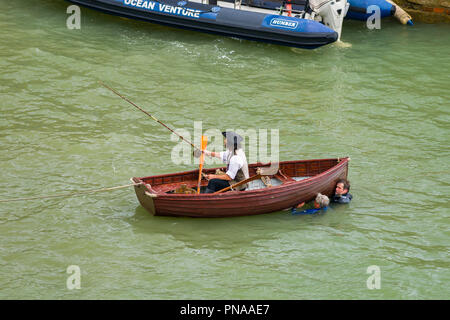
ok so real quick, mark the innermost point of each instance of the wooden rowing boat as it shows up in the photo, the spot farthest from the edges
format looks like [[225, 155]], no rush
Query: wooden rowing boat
[[295, 182]]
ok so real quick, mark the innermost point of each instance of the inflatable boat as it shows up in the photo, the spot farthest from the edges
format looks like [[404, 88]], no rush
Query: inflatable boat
[[282, 25]]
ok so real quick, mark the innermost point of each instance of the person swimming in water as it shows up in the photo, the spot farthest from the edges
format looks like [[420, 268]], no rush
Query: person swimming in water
[[320, 203], [341, 193]]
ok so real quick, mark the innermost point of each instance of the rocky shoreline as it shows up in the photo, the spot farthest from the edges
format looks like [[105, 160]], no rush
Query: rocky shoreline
[[428, 11]]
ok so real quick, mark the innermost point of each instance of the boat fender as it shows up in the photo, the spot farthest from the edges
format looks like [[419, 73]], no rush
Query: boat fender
[[401, 14]]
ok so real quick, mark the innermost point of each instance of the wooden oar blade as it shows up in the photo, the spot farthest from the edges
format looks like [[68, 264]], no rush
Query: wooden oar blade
[[204, 142]]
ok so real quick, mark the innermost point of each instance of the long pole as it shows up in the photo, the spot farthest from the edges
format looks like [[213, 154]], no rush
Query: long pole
[[151, 116]]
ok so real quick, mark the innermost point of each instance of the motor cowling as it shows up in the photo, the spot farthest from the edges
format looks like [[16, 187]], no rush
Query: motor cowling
[[331, 12]]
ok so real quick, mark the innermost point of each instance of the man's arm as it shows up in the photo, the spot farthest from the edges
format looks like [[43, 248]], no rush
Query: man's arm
[[230, 174], [213, 154], [218, 176]]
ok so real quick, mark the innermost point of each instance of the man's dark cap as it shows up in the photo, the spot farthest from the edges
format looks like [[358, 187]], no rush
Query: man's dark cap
[[232, 136], [233, 139]]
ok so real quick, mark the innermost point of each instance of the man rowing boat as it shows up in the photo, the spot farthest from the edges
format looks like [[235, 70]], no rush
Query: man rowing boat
[[237, 166]]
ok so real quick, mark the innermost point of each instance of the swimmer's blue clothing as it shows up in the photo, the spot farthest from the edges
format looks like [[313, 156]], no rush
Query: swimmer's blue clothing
[[308, 211]]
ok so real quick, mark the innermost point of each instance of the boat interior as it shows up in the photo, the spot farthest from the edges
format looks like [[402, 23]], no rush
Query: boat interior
[[288, 172], [294, 8]]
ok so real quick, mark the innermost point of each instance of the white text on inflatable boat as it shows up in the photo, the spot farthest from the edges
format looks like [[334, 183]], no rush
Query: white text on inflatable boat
[[163, 8], [283, 23]]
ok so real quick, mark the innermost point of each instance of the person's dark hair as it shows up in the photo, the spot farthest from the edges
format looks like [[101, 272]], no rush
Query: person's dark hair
[[233, 140], [345, 182]]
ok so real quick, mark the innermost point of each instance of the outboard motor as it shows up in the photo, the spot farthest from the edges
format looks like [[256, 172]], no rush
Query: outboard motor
[[330, 12]]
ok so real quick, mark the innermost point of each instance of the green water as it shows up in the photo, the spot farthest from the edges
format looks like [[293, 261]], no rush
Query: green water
[[383, 101]]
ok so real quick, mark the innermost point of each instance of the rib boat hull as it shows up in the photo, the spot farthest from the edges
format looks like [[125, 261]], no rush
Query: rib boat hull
[[252, 25]]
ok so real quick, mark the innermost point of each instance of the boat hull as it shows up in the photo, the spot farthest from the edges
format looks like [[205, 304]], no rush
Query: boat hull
[[272, 28], [322, 173]]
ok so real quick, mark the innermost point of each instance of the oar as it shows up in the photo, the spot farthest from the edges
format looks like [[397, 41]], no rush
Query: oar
[[204, 143], [265, 171], [139, 108]]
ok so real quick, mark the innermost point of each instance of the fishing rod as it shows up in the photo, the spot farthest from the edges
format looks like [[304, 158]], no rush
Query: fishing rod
[[151, 116]]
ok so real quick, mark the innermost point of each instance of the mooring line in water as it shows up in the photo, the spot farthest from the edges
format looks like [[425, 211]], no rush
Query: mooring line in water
[[72, 193]]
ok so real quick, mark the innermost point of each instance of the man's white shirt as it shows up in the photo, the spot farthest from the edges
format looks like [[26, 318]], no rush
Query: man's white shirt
[[236, 162]]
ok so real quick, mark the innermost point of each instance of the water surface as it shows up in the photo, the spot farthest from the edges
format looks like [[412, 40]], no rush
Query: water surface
[[383, 101]]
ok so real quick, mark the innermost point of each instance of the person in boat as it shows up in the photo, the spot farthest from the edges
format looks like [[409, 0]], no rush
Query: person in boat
[[237, 166], [320, 203], [341, 193]]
